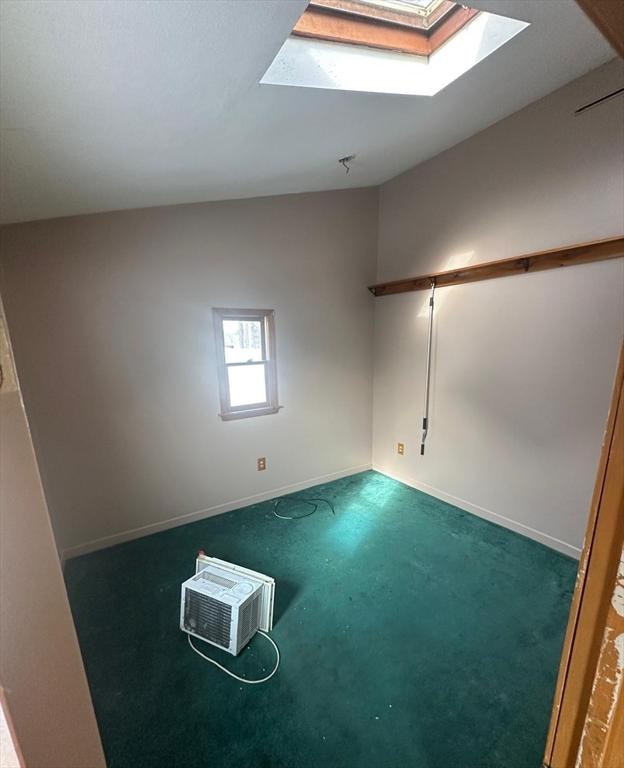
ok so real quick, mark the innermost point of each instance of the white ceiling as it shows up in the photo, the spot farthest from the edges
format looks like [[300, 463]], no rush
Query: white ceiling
[[123, 104]]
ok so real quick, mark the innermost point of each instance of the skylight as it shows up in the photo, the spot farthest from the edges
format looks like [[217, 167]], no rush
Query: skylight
[[412, 47], [395, 25]]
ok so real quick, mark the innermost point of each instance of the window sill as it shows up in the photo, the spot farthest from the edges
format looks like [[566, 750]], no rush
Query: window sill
[[232, 415]]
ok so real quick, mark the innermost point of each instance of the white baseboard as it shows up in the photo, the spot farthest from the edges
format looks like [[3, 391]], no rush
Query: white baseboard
[[486, 514], [163, 525], [467, 506]]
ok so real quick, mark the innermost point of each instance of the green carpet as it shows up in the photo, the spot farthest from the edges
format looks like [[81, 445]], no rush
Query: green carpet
[[412, 634]]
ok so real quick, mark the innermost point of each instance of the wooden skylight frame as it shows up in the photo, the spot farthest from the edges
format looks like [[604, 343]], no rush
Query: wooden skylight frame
[[419, 32]]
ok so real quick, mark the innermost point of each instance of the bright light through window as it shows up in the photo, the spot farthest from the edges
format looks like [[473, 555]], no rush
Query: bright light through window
[[403, 5], [245, 346], [247, 385]]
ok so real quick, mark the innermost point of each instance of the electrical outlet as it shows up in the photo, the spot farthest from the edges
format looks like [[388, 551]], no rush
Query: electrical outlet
[[401, 449], [261, 464]]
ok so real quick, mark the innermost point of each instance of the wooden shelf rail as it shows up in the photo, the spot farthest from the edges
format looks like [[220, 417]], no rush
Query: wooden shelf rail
[[570, 255]]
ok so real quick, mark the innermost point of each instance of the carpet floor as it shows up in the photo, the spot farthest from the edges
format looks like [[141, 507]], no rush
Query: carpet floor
[[412, 634]]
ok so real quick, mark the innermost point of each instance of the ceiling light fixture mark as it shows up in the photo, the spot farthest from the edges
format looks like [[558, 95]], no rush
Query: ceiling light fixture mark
[[346, 161]]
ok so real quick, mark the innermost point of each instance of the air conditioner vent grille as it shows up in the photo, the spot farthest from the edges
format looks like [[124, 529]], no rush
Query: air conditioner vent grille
[[208, 618], [249, 620]]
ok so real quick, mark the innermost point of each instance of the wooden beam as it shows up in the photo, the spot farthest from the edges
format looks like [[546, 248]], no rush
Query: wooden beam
[[608, 16], [570, 255]]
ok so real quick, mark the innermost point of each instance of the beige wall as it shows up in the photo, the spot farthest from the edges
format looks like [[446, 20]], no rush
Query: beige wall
[[523, 366], [112, 329], [41, 671]]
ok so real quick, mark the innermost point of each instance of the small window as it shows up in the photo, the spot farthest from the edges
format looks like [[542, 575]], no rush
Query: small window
[[245, 345]]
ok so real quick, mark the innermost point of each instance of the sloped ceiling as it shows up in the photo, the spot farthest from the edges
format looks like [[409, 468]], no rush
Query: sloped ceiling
[[111, 105]]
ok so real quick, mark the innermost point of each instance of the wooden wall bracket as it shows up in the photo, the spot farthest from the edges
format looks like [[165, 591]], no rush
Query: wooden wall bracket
[[567, 256]]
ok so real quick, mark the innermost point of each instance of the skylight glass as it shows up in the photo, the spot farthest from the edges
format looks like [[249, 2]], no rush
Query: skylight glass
[[403, 5]]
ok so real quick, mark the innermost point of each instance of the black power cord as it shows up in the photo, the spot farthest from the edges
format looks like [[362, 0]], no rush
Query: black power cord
[[314, 503]]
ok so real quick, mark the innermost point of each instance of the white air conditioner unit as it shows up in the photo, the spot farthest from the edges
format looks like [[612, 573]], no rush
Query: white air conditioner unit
[[225, 604]]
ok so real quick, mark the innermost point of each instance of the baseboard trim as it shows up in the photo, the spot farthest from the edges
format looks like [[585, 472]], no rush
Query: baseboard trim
[[486, 514], [191, 517]]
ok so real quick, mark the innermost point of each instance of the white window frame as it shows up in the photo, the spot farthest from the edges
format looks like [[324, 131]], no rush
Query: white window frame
[[266, 317]]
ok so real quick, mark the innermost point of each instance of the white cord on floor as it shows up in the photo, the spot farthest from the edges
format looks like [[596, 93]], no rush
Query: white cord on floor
[[236, 677]]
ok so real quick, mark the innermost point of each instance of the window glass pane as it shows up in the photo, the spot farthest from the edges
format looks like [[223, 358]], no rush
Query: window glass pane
[[402, 5], [242, 340], [247, 384]]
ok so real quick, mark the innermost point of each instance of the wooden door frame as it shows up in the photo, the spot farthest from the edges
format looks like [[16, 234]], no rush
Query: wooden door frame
[[582, 731], [608, 17]]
